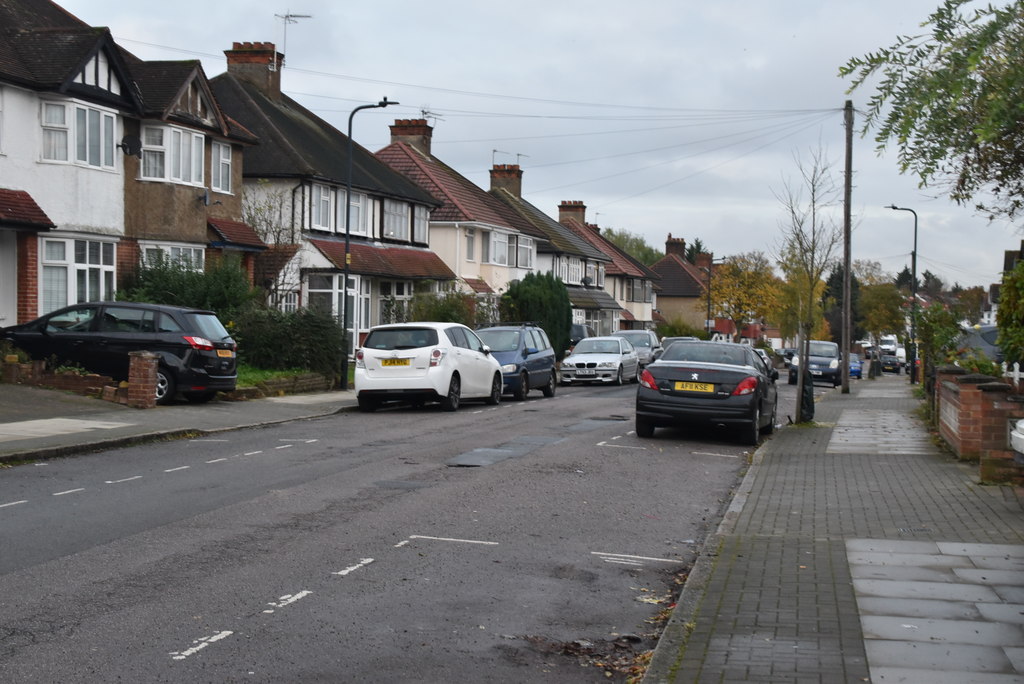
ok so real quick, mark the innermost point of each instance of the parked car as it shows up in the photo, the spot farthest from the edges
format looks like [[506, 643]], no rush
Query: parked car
[[890, 363], [526, 357], [197, 355], [708, 384], [601, 359], [822, 360], [666, 341], [787, 355], [577, 331], [421, 362], [856, 367], [646, 343]]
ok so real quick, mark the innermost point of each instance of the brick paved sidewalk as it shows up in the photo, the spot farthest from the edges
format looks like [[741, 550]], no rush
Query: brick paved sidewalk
[[856, 551]]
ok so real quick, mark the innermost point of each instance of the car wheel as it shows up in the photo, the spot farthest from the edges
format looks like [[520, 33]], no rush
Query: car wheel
[[367, 405], [549, 389], [165, 386], [618, 376], [495, 396], [199, 397], [450, 401], [636, 376], [770, 427], [524, 387], [644, 428], [751, 433]]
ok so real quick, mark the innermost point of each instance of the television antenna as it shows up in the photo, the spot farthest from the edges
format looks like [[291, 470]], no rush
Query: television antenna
[[286, 18]]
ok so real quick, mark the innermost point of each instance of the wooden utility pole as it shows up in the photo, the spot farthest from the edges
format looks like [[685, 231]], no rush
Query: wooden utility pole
[[847, 230]]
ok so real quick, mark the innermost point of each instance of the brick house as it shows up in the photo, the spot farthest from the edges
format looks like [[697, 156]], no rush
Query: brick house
[[684, 286]]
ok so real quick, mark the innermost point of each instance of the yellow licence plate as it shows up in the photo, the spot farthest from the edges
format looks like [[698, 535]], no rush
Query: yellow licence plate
[[394, 362], [695, 387], [226, 353]]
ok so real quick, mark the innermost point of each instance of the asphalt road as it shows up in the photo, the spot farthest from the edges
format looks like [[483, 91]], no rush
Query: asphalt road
[[523, 542]]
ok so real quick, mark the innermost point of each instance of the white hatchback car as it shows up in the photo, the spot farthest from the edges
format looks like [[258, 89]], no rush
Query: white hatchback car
[[601, 359], [421, 362]]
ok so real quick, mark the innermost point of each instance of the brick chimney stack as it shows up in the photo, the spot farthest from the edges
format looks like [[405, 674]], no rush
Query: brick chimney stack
[[508, 177], [676, 246], [258, 64], [572, 209], [704, 260], [414, 132]]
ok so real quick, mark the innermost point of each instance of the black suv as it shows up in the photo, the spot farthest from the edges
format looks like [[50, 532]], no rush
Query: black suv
[[526, 357], [197, 355]]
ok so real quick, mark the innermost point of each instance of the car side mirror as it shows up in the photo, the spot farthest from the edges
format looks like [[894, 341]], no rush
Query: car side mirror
[[530, 350], [485, 349]]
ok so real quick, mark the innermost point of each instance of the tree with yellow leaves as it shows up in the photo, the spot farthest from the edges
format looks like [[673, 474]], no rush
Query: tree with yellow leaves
[[745, 289]]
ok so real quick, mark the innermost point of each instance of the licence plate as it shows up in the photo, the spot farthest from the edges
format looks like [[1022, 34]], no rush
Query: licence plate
[[695, 387], [815, 372], [394, 362], [586, 371], [225, 353]]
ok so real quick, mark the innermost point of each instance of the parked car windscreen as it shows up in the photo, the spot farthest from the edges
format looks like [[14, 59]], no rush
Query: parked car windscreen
[[589, 345], [705, 353], [209, 325], [824, 349], [500, 340], [400, 338], [639, 338]]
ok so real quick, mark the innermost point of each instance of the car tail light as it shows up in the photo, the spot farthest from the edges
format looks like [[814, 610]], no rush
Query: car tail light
[[435, 357], [360, 359], [200, 343], [747, 386], [647, 380]]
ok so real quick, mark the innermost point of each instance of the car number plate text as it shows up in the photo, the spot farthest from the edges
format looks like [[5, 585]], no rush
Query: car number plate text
[[695, 387], [226, 353], [586, 371], [394, 362]]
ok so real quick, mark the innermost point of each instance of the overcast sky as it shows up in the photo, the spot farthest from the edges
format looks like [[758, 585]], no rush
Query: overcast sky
[[663, 116]]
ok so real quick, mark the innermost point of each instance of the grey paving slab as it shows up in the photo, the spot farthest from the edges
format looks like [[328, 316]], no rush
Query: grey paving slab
[[938, 657], [974, 632], [967, 549], [911, 676], [908, 559], [943, 591], [920, 608], [1012, 613], [989, 576], [901, 573]]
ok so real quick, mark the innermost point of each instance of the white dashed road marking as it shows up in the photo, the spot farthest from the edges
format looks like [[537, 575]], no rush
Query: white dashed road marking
[[127, 479], [449, 539], [287, 600], [352, 568], [200, 644], [69, 491]]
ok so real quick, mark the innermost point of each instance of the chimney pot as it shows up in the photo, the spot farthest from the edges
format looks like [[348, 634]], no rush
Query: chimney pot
[[416, 133], [508, 177]]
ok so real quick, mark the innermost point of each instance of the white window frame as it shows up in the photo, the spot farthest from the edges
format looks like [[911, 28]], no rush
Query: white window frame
[[524, 252], [420, 224], [321, 206], [397, 222], [471, 244], [575, 270], [220, 167], [181, 151], [86, 135], [81, 270], [358, 206], [188, 254], [499, 248], [357, 305]]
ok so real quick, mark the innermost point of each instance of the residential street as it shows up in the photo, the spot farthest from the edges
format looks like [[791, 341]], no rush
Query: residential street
[[361, 547]]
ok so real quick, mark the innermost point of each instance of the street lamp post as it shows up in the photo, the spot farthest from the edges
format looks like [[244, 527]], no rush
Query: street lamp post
[[345, 309], [912, 352]]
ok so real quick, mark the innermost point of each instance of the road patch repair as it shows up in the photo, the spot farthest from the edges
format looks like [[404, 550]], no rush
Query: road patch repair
[[520, 446]]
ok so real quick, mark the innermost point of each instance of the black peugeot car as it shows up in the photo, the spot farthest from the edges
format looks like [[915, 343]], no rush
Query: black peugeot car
[[197, 355]]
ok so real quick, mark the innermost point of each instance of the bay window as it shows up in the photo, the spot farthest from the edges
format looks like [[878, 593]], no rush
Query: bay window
[[172, 154], [76, 271], [93, 134], [321, 212], [396, 220]]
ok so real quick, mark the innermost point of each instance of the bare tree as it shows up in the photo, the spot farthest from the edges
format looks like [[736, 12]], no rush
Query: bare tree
[[811, 236], [267, 208]]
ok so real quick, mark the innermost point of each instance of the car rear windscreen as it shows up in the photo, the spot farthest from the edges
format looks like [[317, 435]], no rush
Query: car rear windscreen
[[209, 325], [400, 338]]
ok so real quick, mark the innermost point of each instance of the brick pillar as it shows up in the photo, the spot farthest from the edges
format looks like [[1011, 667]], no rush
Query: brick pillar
[[142, 379]]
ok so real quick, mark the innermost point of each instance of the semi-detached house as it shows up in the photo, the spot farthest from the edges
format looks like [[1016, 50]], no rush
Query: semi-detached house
[[295, 184], [104, 160]]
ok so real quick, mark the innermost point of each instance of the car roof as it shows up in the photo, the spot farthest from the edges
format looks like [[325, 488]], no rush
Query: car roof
[[437, 325], [139, 305]]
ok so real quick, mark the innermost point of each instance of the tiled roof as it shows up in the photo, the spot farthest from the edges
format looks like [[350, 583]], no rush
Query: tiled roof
[[679, 278], [294, 142], [587, 298], [621, 264], [559, 238], [19, 210], [235, 233], [461, 199], [414, 263], [36, 14], [479, 286]]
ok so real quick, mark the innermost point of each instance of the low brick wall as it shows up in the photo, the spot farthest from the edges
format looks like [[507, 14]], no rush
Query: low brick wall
[[975, 416], [296, 384]]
